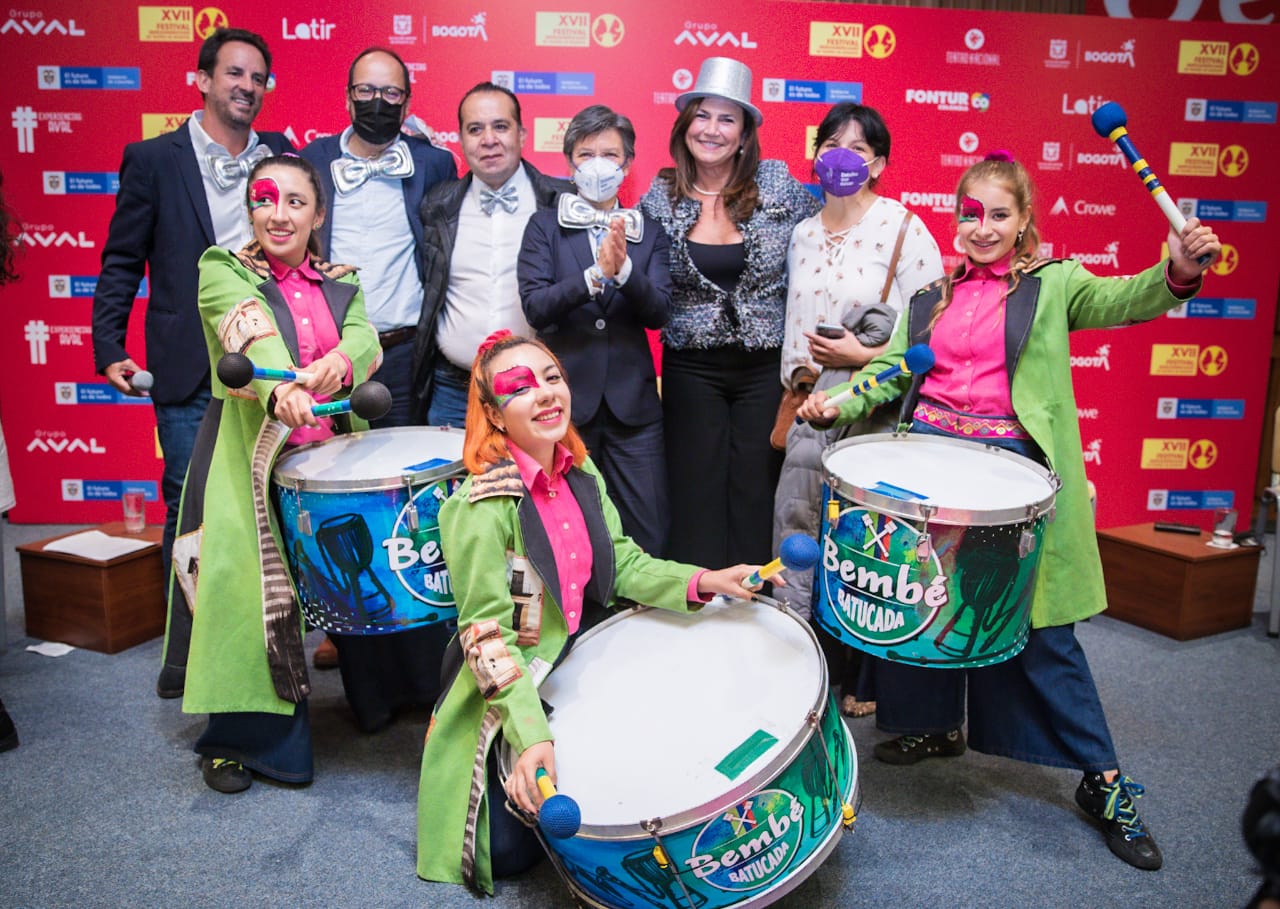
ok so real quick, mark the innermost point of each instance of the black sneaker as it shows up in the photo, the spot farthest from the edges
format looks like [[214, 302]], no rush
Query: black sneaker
[[172, 681], [1113, 804], [909, 749], [223, 775]]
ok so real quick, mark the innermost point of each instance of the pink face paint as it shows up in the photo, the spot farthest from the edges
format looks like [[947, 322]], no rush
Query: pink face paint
[[264, 191], [512, 382], [971, 210]]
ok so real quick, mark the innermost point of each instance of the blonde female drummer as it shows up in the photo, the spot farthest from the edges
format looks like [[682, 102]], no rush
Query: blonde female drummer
[[536, 553], [999, 327]]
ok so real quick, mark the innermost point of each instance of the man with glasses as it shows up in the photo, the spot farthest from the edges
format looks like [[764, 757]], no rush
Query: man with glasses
[[374, 178], [181, 193], [471, 238]]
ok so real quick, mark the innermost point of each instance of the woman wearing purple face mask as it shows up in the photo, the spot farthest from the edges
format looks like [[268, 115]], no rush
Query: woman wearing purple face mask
[[852, 267]]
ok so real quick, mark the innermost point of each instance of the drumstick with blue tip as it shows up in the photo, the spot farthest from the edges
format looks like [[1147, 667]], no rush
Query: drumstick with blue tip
[[559, 816], [235, 370], [917, 359], [1110, 122], [797, 552]]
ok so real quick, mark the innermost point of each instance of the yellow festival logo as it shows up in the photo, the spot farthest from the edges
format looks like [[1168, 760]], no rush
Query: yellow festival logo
[[1164, 454], [208, 20], [1233, 160], [158, 124], [1213, 360], [1202, 454], [1227, 263], [164, 23], [835, 39], [880, 41], [1243, 60], [608, 30]]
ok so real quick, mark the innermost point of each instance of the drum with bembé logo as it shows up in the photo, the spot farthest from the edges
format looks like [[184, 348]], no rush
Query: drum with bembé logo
[[930, 547]]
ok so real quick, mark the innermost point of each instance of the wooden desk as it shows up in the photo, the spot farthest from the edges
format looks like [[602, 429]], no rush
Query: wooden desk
[[1175, 583], [104, 606]]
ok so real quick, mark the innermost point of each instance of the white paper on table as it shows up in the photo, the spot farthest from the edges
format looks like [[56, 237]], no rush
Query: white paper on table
[[96, 545], [50, 648]]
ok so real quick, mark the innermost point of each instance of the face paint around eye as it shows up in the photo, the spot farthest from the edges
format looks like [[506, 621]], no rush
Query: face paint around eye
[[264, 191], [971, 210], [512, 382]]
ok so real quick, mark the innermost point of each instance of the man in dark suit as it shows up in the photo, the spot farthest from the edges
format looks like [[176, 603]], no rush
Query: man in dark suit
[[375, 178], [593, 277], [181, 193], [470, 241]]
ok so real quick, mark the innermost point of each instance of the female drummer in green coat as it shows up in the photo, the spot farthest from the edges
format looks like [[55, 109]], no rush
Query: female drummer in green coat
[[536, 553], [1003, 376], [282, 306]]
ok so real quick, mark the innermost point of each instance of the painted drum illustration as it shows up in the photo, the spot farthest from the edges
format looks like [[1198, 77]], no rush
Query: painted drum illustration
[[930, 548], [359, 520], [706, 755]]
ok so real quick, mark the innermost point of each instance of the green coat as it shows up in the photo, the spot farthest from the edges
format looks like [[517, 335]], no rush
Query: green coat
[[241, 308], [1051, 300], [504, 581]]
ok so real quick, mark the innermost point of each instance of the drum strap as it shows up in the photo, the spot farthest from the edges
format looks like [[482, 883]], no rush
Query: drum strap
[[286, 658]]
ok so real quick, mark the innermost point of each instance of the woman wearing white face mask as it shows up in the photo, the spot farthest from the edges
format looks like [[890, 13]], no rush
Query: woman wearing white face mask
[[593, 276]]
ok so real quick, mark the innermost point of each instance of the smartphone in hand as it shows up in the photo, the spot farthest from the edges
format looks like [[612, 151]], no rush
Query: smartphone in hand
[[825, 330]]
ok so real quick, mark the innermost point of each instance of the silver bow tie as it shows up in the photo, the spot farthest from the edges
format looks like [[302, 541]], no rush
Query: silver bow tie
[[507, 197], [352, 173], [575, 211], [227, 171]]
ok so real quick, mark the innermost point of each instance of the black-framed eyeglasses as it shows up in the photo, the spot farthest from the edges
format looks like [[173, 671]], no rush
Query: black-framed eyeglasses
[[363, 91]]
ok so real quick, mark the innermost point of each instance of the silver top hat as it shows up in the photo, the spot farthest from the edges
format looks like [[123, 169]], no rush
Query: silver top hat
[[723, 77]]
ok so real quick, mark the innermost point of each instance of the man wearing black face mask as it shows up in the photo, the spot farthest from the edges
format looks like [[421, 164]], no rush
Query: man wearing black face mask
[[375, 178]]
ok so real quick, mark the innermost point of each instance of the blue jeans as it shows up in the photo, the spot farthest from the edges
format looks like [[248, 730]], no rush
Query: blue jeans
[[176, 426], [449, 397], [396, 373]]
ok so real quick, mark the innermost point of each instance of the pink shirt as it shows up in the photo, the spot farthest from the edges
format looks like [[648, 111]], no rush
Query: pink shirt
[[317, 333], [970, 375], [561, 515], [566, 528]]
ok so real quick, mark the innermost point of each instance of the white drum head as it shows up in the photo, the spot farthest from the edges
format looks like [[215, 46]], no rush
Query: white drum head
[[955, 476], [647, 706], [379, 455]]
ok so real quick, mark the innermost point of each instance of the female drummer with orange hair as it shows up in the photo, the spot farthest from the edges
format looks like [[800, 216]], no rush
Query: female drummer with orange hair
[[536, 554]]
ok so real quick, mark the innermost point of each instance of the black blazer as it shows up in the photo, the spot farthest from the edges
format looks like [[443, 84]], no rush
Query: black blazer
[[431, 165], [162, 221], [439, 214], [600, 340]]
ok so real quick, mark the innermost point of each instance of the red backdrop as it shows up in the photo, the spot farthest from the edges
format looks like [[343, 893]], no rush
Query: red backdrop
[[1170, 411]]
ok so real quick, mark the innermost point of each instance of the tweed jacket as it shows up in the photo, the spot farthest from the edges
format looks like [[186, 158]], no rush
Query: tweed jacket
[[1052, 299], [752, 316]]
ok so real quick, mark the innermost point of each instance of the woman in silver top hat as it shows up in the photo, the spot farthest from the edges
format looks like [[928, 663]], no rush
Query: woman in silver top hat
[[729, 216]]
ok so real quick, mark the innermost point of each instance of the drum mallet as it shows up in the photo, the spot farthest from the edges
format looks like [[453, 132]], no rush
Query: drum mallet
[[559, 816], [369, 401], [917, 359], [235, 370], [797, 552], [1109, 121]]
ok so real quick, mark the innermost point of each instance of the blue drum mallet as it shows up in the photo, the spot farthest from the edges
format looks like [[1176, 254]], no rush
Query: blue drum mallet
[[369, 401], [235, 370], [1110, 122], [797, 552], [559, 815]]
